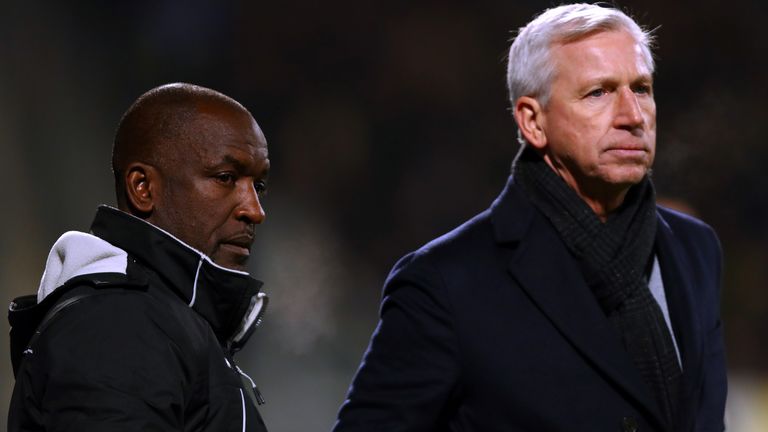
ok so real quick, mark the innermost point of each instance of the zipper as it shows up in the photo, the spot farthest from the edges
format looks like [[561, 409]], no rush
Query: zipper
[[259, 398]]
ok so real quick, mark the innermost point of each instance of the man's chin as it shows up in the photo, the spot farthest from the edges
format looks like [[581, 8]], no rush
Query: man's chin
[[231, 257], [623, 177], [238, 266]]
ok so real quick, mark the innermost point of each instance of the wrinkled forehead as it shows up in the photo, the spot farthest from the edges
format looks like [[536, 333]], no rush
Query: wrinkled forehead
[[580, 46]]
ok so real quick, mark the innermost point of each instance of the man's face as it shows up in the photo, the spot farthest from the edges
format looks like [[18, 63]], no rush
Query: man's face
[[211, 186], [600, 121]]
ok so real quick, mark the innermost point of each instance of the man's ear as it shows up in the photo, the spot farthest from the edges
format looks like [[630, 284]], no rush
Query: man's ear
[[142, 182], [529, 117]]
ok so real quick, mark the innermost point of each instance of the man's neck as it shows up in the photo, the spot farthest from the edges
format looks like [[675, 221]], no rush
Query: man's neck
[[603, 206], [602, 198]]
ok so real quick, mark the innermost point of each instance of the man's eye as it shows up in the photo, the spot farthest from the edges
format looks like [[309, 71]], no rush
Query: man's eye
[[642, 89], [596, 93], [226, 178], [260, 187]]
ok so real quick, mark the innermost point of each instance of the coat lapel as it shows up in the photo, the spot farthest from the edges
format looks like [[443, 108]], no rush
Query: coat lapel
[[547, 272], [679, 289]]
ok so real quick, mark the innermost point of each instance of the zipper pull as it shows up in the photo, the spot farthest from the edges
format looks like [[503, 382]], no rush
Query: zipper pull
[[259, 398], [256, 393]]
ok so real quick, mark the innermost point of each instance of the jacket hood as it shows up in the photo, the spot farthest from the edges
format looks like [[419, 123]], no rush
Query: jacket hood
[[74, 257], [76, 253]]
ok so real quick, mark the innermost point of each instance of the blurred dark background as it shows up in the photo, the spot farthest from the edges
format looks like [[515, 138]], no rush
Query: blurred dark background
[[388, 125]]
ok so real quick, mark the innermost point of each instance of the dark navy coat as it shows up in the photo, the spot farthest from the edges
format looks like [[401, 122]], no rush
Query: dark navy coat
[[493, 328]]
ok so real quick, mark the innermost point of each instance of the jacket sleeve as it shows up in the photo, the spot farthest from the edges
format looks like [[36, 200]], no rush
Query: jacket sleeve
[[409, 373], [105, 364]]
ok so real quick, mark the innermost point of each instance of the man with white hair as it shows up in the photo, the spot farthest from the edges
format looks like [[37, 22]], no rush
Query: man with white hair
[[574, 303]]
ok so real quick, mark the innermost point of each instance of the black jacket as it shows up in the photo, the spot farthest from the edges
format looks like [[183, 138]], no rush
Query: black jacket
[[138, 332], [492, 327]]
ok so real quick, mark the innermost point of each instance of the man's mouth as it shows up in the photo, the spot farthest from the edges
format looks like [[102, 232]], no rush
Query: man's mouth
[[627, 150], [236, 249], [240, 244]]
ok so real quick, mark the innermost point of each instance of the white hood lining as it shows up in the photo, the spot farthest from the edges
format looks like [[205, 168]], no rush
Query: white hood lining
[[77, 253]]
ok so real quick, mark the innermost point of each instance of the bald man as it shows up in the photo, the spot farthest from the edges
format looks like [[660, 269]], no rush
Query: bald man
[[135, 324]]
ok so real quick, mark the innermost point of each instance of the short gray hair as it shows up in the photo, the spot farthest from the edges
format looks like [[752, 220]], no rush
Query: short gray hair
[[530, 69]]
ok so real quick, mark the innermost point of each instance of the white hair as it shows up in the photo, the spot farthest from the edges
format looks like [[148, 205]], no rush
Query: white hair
[[530, 69]]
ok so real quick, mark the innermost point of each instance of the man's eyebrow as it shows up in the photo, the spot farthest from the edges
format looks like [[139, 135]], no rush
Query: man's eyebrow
[[611, 80], [644, 77], [229, 160]]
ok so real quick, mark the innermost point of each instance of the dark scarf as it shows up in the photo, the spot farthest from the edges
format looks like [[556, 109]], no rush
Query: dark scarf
[[614, 257]]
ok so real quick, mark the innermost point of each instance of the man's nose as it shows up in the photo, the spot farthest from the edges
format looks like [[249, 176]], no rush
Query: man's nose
[[628, 113], [249, 208]]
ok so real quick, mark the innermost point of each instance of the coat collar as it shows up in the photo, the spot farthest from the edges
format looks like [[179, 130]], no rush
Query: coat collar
[[543, 267], [511, 214], [229, 300], [679, 289]]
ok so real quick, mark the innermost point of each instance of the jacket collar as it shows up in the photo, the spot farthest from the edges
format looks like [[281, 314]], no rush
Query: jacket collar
[[511, 214], [229, 300]]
